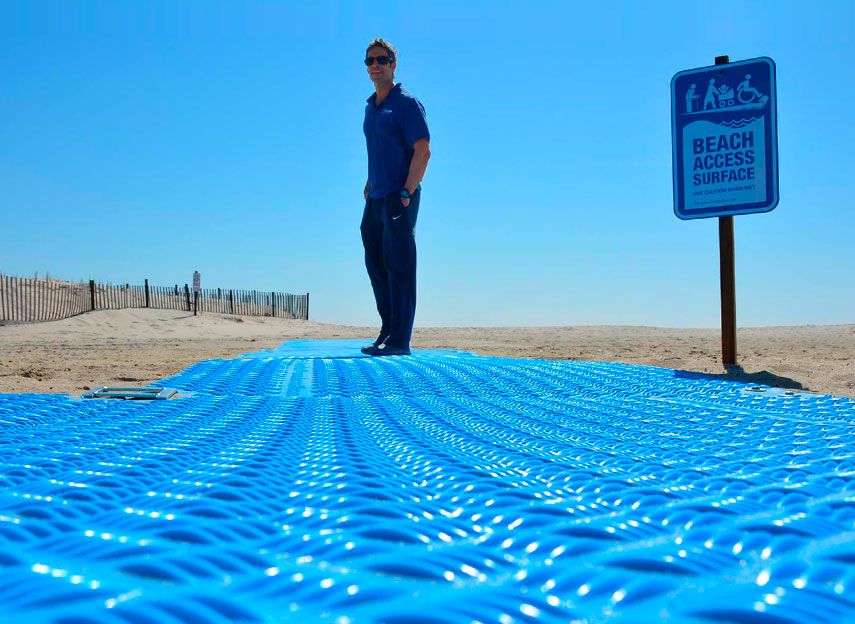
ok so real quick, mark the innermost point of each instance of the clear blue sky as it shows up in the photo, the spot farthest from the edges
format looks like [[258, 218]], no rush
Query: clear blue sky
[[149, 139]]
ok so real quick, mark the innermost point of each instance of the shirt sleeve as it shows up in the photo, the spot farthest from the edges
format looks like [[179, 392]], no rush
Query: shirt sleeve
[[415, 124]]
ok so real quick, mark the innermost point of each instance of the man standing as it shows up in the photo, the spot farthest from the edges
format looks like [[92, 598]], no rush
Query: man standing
[[398, 142]]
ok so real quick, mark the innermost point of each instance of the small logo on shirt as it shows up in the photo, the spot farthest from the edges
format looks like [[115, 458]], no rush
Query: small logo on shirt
[[385, 110], [396, 217]]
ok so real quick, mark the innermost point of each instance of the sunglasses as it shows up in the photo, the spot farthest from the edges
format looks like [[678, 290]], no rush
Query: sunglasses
[[383, 60]]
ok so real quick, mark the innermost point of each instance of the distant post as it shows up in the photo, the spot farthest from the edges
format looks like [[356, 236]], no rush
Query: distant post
[[91, 294], [307, 306], [197, 288], [147, 296], [187, 297]]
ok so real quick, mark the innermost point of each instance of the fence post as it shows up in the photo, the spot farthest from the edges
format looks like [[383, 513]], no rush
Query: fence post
[[232, 301], [307, 306], [273, 304], [147, 296], [92, 294], [187, 295]]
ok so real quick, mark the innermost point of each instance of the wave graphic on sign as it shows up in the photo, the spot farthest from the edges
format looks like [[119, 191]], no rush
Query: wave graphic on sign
[[738, 124]]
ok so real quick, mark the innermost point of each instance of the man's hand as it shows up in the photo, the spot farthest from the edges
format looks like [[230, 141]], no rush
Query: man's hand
[[421, 155]]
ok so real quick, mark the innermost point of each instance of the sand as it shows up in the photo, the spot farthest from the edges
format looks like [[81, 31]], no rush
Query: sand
[[140, 346]]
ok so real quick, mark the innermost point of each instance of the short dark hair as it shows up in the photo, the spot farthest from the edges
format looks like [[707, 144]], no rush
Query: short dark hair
[[382, 43]]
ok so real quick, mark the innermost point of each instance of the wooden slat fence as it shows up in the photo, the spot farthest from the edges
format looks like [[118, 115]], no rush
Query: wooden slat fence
[[32, 299], [24, 299], [167, 298], [254, 303], [111, 297]]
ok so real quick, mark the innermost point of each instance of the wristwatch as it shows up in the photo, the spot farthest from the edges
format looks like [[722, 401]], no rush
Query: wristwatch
[[405, 194]]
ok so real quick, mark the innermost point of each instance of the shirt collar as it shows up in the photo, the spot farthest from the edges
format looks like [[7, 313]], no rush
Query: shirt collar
[[396, 90]]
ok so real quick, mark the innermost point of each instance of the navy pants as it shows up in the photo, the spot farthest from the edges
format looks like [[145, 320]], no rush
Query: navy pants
[[388, 236]]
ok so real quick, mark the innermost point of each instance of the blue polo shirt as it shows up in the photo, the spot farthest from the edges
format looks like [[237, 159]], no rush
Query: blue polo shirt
[[391, 130]]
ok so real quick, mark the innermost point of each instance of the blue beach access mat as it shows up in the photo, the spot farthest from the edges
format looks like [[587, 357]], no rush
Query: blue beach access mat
[[310, 484]]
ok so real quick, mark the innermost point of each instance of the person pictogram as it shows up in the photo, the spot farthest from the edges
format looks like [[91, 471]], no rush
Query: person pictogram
[[691, 96], [710, 97]]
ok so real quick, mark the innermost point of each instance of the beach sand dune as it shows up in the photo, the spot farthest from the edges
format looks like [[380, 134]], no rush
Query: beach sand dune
[[139, 346]]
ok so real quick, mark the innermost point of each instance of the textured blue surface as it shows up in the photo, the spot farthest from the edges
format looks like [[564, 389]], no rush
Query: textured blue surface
[[302, 484]]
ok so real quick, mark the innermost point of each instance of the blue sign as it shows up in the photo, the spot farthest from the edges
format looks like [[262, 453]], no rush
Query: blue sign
[[724, 130]]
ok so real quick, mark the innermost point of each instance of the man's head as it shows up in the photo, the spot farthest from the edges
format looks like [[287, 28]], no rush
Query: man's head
[[381, 60]]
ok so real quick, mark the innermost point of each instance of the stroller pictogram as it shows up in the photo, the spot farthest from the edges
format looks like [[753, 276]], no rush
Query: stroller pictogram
[[725, 96]]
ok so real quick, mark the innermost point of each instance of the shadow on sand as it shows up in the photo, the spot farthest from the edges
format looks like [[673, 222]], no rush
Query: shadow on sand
[[737, 373]]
